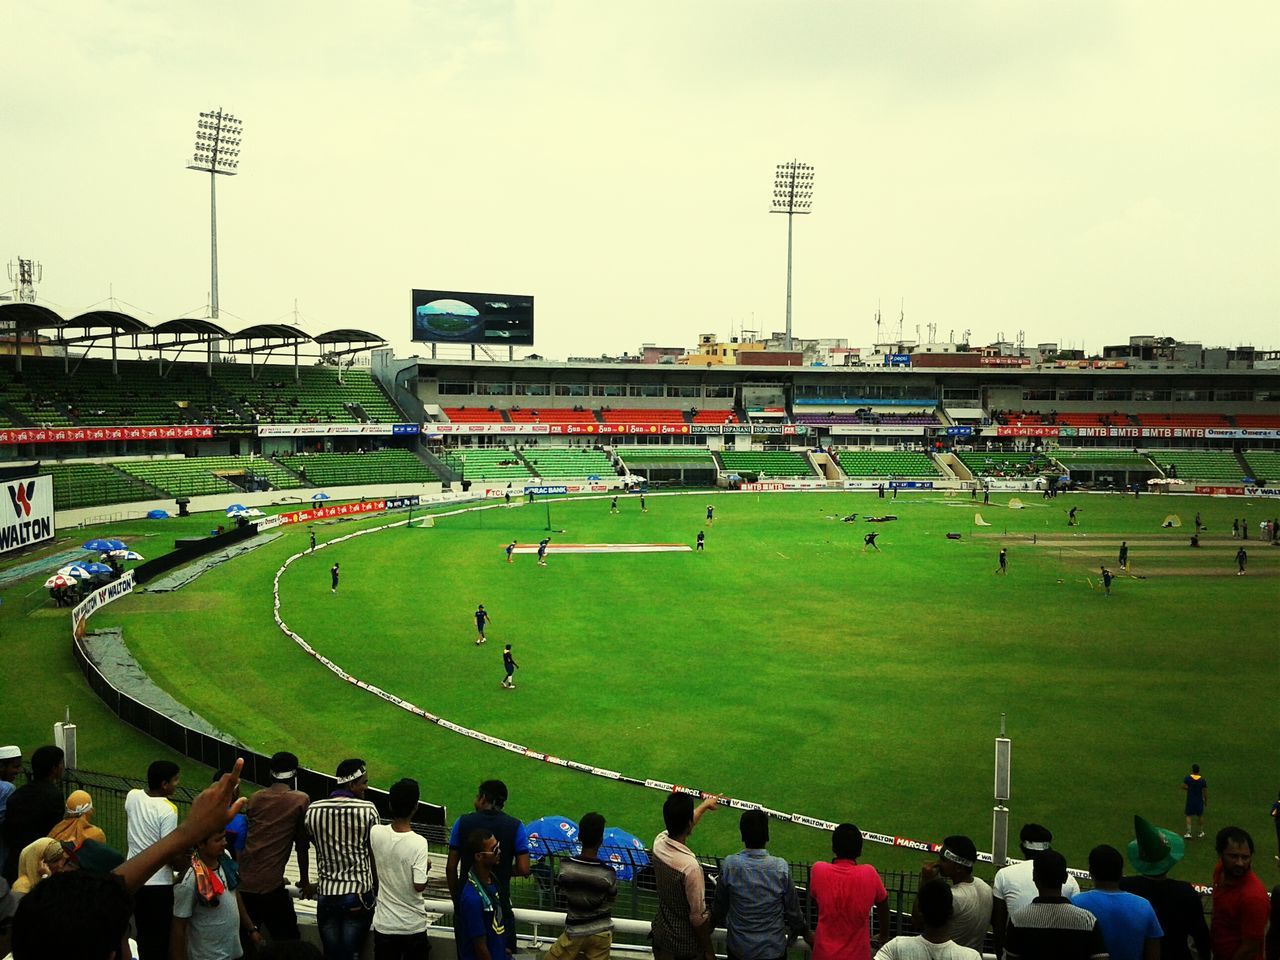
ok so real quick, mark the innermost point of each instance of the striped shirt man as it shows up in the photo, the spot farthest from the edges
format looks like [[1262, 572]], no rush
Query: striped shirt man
[[1052, 928], [339, 827]]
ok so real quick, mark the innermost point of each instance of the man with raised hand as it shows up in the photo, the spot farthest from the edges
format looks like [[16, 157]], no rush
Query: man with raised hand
[[682, 926]]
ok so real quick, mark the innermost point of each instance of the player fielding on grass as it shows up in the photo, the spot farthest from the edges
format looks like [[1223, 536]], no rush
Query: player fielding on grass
[[870, 541], [333, 579], [711, 514], [1004, 561], [1124, 555], [509, 664], [702, 539], [1106, 581], [542, 551], [613, 507], [482, 620], [1241, 559], [511, 552], [1197, 790]]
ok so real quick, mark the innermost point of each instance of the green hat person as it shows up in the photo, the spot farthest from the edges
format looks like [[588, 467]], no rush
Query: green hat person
[[1154, 850]]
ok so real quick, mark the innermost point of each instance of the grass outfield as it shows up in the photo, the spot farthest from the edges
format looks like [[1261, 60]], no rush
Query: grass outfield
[[784, 665]]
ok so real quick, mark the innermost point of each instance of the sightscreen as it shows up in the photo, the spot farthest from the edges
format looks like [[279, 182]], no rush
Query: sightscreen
[[450, 316]]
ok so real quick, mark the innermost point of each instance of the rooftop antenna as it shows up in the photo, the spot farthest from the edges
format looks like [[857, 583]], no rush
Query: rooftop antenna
[[878, 340], [25, 274], [902, 315]]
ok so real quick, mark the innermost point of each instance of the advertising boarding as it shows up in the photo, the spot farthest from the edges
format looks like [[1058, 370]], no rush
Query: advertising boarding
[[26, 514]]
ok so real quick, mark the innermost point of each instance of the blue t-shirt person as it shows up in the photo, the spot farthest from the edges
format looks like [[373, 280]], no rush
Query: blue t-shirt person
[[1127, 921], [480, 915]]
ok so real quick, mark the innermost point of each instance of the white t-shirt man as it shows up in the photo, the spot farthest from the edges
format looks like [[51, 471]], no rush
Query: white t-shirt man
[[149, 820], [1016, 888], [971, 916], [918, 948], [402, 861]]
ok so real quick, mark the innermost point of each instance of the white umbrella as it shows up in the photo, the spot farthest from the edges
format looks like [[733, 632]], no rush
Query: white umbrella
[[58, 580], [76, 571], [126, 555]]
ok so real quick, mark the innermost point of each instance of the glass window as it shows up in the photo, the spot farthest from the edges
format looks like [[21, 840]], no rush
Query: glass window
[[454, 388]]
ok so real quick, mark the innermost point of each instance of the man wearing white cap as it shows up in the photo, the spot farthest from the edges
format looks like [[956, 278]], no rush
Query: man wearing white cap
[[10, 767]]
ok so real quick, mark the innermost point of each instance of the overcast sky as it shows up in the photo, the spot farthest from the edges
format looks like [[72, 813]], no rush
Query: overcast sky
[[1080, 170]]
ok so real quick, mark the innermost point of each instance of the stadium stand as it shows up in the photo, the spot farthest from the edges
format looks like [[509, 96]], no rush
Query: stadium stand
[[521, 415], [666, 456], [200, 475], [1257, 421], [474, 415], [318, 397], [348, 469], [493, 463], [1264, 464], [1103, 457], [92, 484], [923, 418], [187, 477], [1216, 465], [778, 463], [1002, 463], [568, 462], [1182, 420], [94, 396], [629, 415], [887, 463], [715, 416]]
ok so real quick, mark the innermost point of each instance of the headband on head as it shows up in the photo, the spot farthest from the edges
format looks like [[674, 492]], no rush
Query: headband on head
[[351, 777], [80, 809], [1036, 845], [956, 858]]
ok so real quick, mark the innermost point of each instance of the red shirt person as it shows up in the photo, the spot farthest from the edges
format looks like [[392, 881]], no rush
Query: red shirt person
[[845, 891], [1240, 904]]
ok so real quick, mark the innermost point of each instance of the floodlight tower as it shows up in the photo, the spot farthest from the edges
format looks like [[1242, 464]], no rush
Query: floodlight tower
[[792, 194], [217, 147]]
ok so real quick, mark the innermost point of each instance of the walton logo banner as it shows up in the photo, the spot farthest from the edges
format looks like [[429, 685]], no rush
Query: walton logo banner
[[26, 513]]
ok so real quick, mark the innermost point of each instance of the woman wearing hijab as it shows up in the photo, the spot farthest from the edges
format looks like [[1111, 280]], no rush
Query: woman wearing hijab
[[75, 827], [39, 859], [88, 843]]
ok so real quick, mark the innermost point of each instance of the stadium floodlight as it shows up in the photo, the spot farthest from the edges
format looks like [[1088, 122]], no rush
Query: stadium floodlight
[[792, 194], [217, 154]]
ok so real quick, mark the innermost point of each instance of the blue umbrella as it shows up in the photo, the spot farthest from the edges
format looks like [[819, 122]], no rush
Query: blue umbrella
[[319, 496], [157, 514], [237, 508], [104, 546], [623, 852], [98, 569], [553, 834]]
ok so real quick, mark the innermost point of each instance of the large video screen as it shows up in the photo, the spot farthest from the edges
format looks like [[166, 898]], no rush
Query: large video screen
[[448, 316]]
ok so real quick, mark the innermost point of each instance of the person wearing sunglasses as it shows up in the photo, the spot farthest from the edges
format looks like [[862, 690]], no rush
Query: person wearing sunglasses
[[480, 924]]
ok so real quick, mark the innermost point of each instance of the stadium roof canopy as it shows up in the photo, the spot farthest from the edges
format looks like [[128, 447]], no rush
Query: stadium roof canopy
[[121, 329]]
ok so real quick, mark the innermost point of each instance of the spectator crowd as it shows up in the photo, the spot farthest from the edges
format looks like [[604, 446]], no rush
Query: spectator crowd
[[213, 885]]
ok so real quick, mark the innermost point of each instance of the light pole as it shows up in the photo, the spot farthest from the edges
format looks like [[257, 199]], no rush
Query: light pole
[[792, 194], [217, 147]]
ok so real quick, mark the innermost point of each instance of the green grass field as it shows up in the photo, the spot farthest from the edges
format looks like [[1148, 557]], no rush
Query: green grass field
[[783, 665]]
